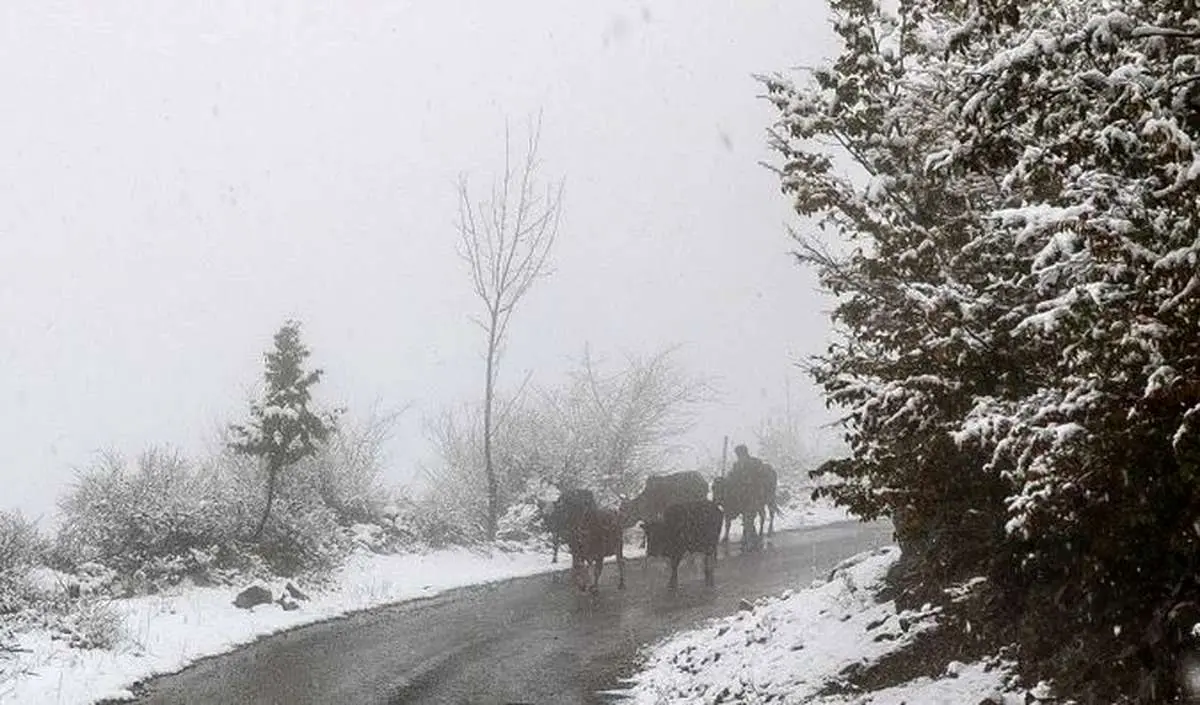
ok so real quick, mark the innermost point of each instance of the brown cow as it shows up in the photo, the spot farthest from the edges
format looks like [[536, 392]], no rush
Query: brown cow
[[564, 513], [597, 534]]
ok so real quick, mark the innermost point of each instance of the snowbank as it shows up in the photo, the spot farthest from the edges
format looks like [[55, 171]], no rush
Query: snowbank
[[791, 648]]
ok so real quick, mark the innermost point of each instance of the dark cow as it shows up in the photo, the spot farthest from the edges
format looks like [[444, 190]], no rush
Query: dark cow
[[749, 494], [596, 534], [660, 492], [564, 513], [691, 527]]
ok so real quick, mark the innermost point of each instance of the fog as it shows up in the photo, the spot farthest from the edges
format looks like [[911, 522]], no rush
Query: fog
[[178, 178]]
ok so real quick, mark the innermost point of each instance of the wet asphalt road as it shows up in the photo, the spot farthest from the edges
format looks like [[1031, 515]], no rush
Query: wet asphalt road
[[529, 640]]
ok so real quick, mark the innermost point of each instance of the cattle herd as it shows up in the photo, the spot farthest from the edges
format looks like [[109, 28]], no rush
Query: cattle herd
[[676, 515]]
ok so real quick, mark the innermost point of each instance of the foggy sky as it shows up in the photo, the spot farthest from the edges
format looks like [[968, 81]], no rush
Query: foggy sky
[[177, 178]]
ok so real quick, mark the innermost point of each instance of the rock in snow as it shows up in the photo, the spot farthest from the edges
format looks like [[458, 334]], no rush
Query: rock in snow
[[252, 596]]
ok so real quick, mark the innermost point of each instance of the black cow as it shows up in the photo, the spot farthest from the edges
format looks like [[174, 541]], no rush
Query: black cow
[[596, 534], [660, 492], [564, 513], [691, 527]]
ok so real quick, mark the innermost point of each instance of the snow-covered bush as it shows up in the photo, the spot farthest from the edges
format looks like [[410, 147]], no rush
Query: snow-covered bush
[[302, 536], [91, 624], [166, 520], [21, 549], [524, 522], [440, 523], [21, 544], [346, 471], [154, 523], [1018, 189]]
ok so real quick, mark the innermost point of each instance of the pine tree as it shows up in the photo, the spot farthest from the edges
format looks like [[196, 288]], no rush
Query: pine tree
[[283, 429]]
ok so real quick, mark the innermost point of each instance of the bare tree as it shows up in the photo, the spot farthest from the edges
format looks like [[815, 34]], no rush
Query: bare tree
[[506, 240]]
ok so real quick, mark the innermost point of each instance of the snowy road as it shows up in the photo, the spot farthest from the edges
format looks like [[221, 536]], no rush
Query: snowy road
[[529, 640]]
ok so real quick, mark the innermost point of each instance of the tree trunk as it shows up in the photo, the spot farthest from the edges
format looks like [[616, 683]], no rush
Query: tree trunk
[[493, 508], [272, 473]]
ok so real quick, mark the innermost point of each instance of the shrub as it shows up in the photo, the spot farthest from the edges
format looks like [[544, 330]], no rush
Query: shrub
[[154, 524], [21, 544], [21, 548], [345, 472], [439, 529], [164, 520], [302, 536], [92, 624]]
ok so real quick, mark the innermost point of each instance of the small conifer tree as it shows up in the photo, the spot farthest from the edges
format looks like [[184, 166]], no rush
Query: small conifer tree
[[282, 429]]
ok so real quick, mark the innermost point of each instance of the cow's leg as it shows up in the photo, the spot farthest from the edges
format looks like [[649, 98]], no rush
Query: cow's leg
[[596, 573], [674, 582], [554, 556], [579, 572], [710, 560], [620, 568], [747, 530]]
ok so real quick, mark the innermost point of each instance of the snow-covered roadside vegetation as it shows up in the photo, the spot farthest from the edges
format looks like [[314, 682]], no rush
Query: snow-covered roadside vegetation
[[805, 646], [104, 645], [156, 634]]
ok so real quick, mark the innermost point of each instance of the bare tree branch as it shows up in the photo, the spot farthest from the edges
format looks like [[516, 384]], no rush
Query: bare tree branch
[[506, 242]]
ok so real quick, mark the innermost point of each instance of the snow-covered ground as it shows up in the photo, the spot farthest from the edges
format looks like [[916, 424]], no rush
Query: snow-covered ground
[[164, 633], [788, 649], [811, 514]]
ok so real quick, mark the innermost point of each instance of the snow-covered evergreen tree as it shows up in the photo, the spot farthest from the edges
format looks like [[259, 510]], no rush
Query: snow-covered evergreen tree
[[1017, 187], [283, 429], [915, 347]]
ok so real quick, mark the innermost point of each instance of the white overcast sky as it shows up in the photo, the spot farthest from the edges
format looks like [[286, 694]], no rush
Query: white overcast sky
[[177, 178]]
